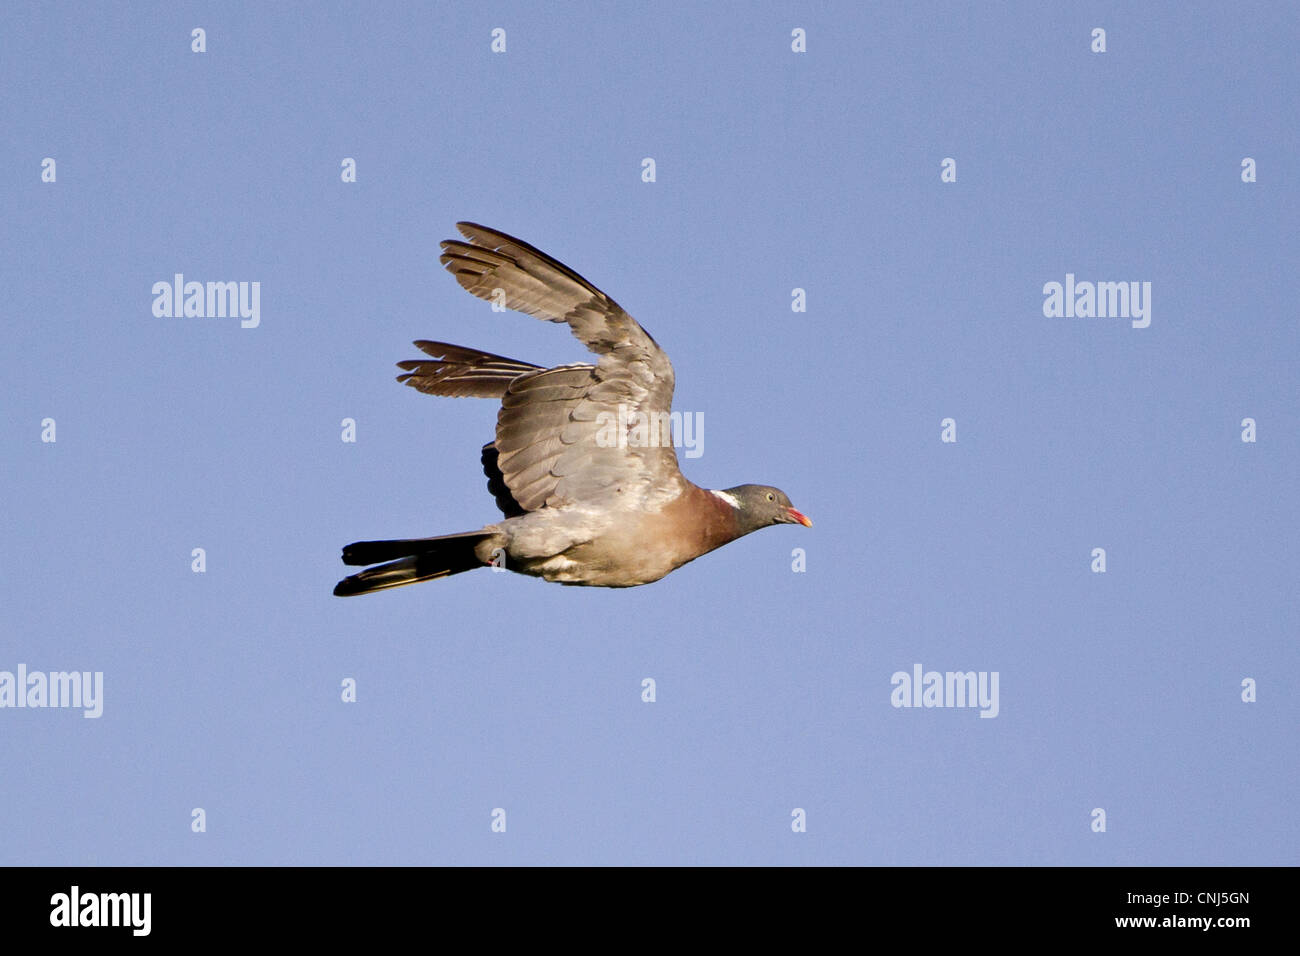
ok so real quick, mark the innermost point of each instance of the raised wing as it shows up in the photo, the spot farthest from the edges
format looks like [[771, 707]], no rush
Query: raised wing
[[535, 284], [575, 434]]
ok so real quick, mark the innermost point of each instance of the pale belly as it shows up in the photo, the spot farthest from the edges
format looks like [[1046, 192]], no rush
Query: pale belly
[[620, 554]]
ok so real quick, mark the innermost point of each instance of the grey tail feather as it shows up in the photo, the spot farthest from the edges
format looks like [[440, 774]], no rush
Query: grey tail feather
[[421, 559], [372, 552]]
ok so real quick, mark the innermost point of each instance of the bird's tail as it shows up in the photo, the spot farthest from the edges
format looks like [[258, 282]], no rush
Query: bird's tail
[[419, 559]]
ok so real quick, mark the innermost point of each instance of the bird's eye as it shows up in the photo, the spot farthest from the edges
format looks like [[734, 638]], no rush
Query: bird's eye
[[771, 497]]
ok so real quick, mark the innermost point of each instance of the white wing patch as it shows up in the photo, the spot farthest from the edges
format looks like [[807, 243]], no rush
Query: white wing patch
[[729, 499]]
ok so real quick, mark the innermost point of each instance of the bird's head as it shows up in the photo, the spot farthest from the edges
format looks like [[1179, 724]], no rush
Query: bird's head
[[758, 506]]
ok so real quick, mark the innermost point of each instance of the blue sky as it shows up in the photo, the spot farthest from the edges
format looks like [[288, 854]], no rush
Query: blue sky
[[775, 170]]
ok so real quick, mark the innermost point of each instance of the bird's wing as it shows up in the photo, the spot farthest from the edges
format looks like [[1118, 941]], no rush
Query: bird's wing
[[456, 371], [533, 283], [576, 434]]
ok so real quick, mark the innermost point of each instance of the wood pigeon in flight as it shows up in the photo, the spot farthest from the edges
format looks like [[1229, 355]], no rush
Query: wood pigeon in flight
[[584, 501]]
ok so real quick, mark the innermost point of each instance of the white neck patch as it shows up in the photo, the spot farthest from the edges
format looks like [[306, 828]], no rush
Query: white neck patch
[[729, 499]]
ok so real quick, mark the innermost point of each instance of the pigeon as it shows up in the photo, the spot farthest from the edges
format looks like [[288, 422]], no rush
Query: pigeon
[[588, 493]]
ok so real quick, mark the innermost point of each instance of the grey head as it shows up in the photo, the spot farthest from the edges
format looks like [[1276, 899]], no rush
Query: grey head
[[758, 506]]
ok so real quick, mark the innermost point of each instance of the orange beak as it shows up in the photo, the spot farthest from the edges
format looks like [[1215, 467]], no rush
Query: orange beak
[[800, 517]]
